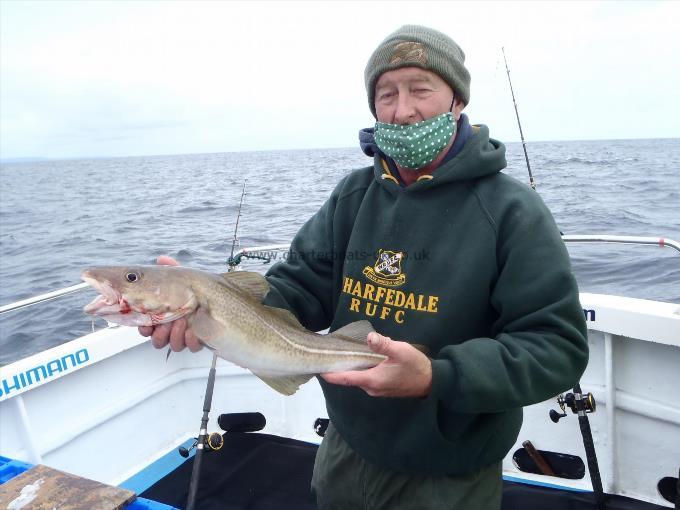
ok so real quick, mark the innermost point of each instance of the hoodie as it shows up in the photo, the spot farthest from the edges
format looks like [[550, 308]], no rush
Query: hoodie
[[470, 264]]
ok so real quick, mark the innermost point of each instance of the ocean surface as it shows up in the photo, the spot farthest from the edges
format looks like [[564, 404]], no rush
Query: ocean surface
[[58, 217]]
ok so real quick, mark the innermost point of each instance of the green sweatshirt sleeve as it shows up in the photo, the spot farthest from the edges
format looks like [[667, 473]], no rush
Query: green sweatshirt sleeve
[[539, 346], [303, 282]]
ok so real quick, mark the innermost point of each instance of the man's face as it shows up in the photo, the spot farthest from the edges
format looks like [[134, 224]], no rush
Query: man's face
[[410, 94]]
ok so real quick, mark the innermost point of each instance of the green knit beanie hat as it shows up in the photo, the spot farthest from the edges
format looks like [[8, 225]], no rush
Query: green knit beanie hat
[[417, 46]]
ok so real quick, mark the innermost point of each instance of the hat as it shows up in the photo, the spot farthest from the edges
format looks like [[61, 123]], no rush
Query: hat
[[418, 46]]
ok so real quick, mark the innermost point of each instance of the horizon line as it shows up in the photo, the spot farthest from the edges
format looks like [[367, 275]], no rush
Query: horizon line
[[31, 159]]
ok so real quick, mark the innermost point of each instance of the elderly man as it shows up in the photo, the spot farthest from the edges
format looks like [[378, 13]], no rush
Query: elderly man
[[434, 246]]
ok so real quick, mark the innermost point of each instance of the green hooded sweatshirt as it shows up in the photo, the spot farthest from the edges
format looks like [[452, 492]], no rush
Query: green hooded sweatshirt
[[468, 263]]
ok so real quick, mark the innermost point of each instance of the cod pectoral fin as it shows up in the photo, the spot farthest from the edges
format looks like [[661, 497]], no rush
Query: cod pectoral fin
[[205, 327], [250, 282], [286, 385], [354, 331]]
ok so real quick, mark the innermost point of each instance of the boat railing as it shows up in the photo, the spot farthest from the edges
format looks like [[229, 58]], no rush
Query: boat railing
[[268, 252], [49, 296], [650, 241]]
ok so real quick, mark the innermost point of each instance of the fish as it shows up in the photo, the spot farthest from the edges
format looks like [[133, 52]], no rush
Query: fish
[[226, 313]]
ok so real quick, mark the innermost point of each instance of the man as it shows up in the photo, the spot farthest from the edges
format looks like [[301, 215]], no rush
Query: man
[[435, 247]]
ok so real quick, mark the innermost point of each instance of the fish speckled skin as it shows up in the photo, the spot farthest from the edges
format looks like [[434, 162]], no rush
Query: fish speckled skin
[[226, 313]]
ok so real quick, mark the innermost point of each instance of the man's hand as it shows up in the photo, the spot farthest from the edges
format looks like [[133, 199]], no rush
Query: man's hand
[[406, 372], [176, 332]]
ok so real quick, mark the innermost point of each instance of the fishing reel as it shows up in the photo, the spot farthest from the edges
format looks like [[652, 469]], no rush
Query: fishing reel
[[235, 260], [586, 404], [212, 442]]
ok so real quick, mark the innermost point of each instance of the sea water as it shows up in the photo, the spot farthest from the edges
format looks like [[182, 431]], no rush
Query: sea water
[[58, 217]]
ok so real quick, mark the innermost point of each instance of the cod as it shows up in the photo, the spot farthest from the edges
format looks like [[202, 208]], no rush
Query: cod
[[226, 313]]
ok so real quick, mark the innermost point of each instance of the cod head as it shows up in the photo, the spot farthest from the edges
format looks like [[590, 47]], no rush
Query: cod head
[[141, 295]]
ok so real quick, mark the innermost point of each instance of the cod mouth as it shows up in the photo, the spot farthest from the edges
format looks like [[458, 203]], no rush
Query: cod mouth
[[109, 299]]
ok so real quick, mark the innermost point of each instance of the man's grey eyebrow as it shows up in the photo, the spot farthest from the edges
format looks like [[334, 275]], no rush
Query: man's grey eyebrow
[[425, 78]]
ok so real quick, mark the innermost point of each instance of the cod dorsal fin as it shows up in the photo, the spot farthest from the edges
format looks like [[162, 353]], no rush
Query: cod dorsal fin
[[253, 283], [286, 385], [354, 331], [286, 316]]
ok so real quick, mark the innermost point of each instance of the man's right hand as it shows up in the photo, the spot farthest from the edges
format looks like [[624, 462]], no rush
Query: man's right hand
[[176, 333]]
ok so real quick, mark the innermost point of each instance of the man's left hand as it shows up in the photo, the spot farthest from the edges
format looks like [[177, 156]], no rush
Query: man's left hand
[[406, 372]]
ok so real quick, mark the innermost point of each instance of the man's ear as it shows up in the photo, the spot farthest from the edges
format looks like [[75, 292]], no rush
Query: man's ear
[[458, 107]]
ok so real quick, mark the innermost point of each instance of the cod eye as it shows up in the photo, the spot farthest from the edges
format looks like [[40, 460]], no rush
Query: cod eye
[[132, 277]]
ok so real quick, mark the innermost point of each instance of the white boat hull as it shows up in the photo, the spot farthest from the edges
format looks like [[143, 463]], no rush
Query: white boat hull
[[108, 404]]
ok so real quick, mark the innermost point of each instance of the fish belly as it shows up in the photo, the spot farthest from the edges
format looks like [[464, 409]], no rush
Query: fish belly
[[273, 355]]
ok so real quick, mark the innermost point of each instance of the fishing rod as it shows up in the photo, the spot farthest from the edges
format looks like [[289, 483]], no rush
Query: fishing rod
[[202, 436], [583, 404], [215, 440], [238, 218], [521, 134], [578, 402]]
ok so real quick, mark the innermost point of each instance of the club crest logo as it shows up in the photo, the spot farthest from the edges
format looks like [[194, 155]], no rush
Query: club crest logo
[[387, 269], [408, 51]]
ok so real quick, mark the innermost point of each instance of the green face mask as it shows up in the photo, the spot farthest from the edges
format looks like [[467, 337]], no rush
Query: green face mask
[[416, 145]]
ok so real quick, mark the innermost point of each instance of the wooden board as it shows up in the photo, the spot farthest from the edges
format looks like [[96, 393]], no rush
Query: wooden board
[[44, 488]]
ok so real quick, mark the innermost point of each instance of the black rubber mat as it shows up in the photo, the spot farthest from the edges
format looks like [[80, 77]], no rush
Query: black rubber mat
[[255, 471]]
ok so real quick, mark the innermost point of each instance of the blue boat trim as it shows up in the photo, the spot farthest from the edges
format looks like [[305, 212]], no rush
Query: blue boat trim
[[542, 484], [157, 470], [9, 468]]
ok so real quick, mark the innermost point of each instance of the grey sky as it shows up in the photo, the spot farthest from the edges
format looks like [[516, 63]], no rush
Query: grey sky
[[130, 78]]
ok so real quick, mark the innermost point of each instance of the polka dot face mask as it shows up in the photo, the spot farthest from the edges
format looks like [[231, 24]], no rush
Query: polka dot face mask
[[414, 146]]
